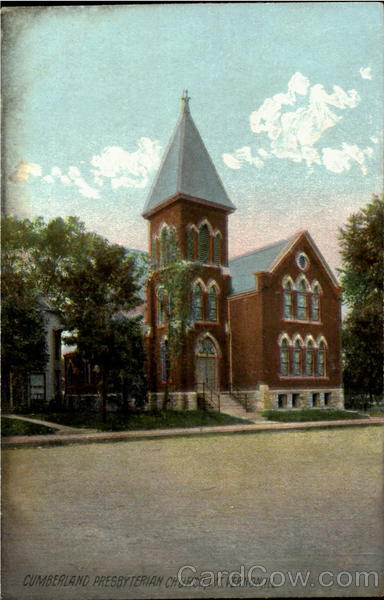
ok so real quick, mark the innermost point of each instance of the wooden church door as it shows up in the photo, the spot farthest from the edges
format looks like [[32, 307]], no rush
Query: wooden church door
[[207, 364]]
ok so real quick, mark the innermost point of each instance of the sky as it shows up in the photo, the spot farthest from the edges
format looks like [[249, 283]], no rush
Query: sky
[[287, 98]]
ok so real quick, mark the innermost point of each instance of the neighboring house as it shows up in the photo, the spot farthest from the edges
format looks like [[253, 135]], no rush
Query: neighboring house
[[46, 385], [265, 325]]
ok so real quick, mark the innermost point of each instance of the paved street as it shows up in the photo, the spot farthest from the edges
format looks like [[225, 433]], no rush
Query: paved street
[[282, 501]]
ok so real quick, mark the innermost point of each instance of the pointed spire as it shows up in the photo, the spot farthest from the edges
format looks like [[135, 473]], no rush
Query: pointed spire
[[185, 101], [187, 169]]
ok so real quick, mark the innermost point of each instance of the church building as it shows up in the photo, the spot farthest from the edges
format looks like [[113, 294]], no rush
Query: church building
[[264, 327]]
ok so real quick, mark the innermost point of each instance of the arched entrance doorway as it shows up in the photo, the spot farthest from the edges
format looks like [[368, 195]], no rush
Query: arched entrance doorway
[[207, 365]]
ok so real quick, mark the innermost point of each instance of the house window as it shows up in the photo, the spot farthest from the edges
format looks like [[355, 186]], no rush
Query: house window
[[297, 352], [295, 400], [309, 358], [164, 360], [302, 261], [288, 312], [301, 309], [217, 249], [321, 359], [190, 243], [203, 243], [282, 401], [197, 302], [212, 303], [315, 303], [327, 398], [284, 357], [315, 399]]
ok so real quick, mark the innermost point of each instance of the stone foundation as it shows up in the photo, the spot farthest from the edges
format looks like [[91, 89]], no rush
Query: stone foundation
[[176, 401]]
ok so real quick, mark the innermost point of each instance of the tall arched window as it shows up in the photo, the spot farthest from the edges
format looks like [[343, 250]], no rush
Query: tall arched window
[[309, 358], [164, 246], [315, 302], [197, 302], [154, 251], [161, 315], [190, 243], [321, 355], [217, 249], [284, 357], [164, 360], [297, 358], [288, 305], [302, 305], [212, 303], [204, 243]]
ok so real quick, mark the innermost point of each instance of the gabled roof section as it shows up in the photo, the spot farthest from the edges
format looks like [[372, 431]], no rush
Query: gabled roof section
[[243, 268], [187, 169]]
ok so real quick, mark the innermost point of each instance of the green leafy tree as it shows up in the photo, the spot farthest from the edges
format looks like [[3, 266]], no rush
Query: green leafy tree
[[23, 345], [362, 277], [173, 281], [101, 285], [92, 283]]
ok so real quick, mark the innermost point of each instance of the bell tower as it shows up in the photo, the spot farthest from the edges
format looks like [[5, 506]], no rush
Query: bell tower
[[188, 202]]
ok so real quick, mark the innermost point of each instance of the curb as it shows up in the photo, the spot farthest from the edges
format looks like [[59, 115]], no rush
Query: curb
[[116, 436]]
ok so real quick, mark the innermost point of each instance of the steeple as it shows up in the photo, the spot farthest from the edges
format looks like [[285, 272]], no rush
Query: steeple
[[187, 169]]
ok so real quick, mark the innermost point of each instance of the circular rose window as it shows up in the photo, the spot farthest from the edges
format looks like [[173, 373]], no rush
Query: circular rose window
[[302, 260]]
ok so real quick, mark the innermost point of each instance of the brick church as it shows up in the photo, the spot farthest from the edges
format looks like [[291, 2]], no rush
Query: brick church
[[264, 327]]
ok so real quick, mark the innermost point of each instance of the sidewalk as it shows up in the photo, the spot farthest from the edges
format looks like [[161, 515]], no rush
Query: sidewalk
[[71, 435]]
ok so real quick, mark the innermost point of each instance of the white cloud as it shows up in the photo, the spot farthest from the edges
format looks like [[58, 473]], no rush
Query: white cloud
[[48, 179], [127, 169], [65, 179], [56, 172], [231, 161], [374, 139], [366, 72], [24, 170], [338, 161], [74, 173], [294, 122], [244, 154]]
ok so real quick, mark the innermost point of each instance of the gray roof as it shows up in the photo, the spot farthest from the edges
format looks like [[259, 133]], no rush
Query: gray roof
[[187, 169], [242, 268]]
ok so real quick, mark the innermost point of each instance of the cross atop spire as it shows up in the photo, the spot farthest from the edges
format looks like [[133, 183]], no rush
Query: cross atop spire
[[185, 101]]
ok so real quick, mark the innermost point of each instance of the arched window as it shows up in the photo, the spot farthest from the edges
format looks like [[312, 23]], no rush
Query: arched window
[[164, 246], [284, 357], [321, 355], [217, 249], [190, 244], [212, 303], [164, 360], [206, 347], [204, 243], [154, 251], [315, 302], [302, 305], [297, 358], [309, 358], [161, 316], [288, 305], [197, 302]]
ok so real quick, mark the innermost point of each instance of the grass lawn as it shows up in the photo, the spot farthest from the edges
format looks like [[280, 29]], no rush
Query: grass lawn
[[311, 414], [166, 419], [17, 427]]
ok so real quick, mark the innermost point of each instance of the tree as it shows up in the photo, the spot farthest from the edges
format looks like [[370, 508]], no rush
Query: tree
[[91, 282], [23, 345], [362, 277], [99, 287], [173, 281]]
